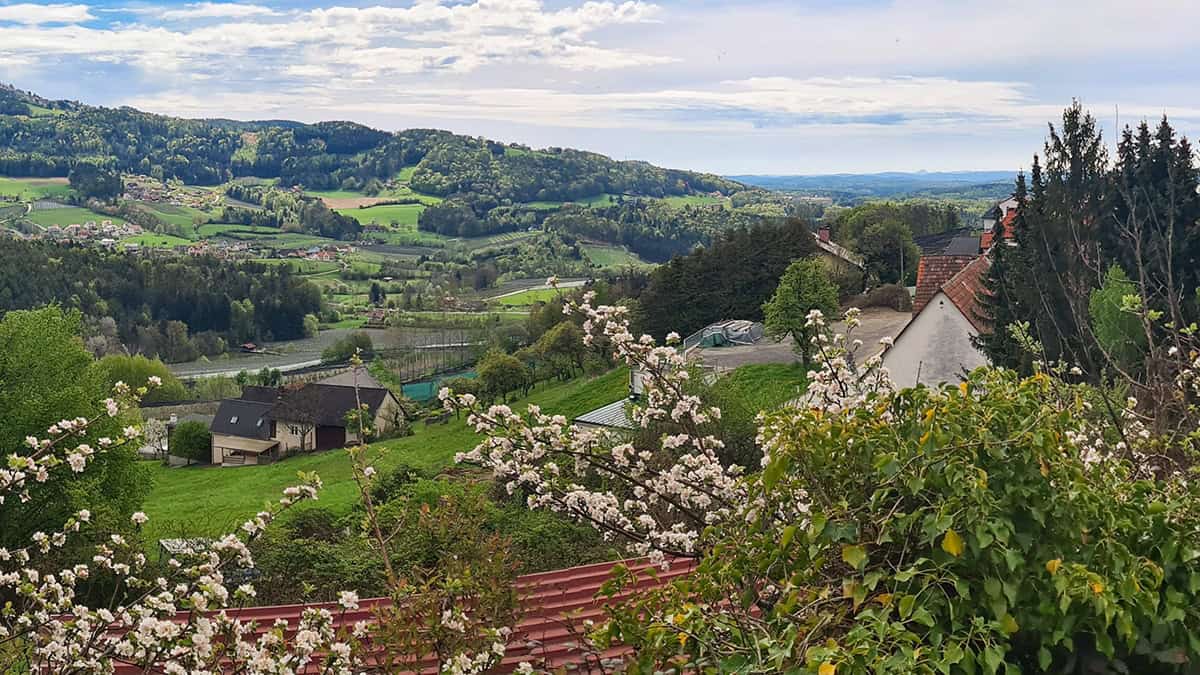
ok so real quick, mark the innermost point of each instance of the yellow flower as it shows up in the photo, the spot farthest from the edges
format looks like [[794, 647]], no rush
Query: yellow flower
[[1097, 587], [682, 639], [827, 668], [1053, 565]]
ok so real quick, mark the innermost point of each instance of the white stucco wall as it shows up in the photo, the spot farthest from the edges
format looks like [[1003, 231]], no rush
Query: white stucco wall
[[937, 345]]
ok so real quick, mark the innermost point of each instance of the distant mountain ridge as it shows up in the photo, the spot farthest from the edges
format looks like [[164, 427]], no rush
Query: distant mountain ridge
[[887, 183]]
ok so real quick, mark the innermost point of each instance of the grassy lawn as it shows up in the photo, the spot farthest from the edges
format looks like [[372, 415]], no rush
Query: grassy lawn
[[404, 215], [217, 229], [350, 323], [184, 216], [208, 501], [406, 173], [30, 189], [70, 216], [765, 386], [527, 298], [693, 200], [611, 256], [157, 240], [302, 266]]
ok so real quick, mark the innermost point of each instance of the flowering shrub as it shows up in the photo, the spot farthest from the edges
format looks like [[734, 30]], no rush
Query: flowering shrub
[[1005, 523]]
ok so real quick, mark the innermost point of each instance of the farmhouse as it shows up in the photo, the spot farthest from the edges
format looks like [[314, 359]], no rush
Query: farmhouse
[[838, 259], [266, 423]]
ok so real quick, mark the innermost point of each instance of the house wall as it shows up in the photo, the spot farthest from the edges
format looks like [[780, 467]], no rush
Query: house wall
[[936, 344], [836, 266], [219, 450], [290, 440]]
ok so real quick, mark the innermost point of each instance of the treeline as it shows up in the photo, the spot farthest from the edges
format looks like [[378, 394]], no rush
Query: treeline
[[654, 230], [288, 210], [1106, 253], [731, 279], [173, 308]]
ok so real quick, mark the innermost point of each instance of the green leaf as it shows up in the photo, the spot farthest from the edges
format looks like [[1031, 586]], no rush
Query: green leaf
[[854, 556], [1009, 624], [774, 470], [786, 537], [906, 606], [992, 658], [992, 587], [1044, 658]]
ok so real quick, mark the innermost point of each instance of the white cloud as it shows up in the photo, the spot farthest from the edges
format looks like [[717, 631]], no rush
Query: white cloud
[[33, 15], [215, 10]]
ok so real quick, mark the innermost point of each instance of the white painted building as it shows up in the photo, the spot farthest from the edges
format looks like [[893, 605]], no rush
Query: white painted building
[[936, 346]]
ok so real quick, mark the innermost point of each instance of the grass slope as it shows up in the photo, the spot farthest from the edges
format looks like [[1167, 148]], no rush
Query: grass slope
[[611, 256], [207, 501], [527, 298], [70, 216], [30, 189], [404, 215]]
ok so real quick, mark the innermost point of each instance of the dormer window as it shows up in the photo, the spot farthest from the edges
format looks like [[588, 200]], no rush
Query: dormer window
[[259, 424], [233, 420]]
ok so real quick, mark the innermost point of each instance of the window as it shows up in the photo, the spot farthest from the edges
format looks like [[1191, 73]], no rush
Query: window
[[233, 420], [259, 424]]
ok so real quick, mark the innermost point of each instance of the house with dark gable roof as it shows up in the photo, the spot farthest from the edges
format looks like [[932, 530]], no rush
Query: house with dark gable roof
[[269, 423]]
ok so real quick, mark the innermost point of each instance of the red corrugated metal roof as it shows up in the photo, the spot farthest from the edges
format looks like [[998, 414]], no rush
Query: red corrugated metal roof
[[553, 608], [932, 272]]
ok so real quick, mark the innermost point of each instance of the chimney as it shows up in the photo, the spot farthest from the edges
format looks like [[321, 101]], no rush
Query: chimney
[[823, 234]]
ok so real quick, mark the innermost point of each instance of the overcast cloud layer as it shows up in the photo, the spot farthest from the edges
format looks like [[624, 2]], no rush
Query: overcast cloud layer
[[732, 87]]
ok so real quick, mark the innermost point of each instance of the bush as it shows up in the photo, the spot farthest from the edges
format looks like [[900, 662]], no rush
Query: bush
[[191, 441], [944, 530], [343, 349], [136, 370], [892, 296]]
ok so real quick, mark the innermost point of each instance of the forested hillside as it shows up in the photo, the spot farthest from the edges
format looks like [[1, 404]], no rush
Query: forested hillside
[[39, 137], [176, 309]]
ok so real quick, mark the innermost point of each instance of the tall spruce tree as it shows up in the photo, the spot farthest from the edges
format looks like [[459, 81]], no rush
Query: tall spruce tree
[[1062, 223], [1152, 231]]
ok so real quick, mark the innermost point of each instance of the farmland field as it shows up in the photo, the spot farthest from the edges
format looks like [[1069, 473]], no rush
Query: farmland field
[[305, 267], [156, 240], [184, 216], [217, 229], [403, 214], [611, 256], [69, 216], [527, 298], [694, 200], [31, 189], [479, 243]]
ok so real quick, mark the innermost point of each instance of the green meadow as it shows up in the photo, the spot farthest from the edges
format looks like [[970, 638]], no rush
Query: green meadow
[[208, 501], [69, 216], [32, 189]]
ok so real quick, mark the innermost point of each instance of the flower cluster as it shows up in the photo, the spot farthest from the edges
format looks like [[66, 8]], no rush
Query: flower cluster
[[658, 499], [179, 619]]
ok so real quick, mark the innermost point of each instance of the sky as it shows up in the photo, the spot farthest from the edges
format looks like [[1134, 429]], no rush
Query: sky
[[735, 87]]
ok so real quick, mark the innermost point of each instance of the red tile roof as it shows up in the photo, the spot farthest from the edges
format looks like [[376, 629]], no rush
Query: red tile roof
[[553, 608], [964, 288], [932, 272], [1005, 226]]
